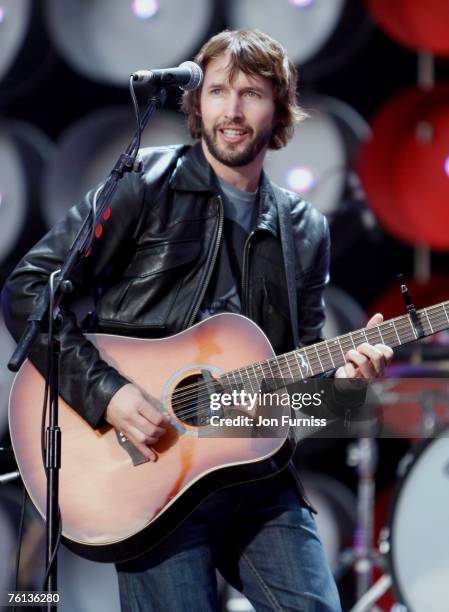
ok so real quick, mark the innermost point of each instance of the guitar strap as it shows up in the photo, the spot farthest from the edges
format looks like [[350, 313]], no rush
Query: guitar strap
[[289, 256]]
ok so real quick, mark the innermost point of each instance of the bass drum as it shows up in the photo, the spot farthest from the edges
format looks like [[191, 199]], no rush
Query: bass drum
[[419, 533]]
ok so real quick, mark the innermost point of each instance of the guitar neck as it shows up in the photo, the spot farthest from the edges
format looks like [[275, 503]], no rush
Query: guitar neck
[[329, 354]]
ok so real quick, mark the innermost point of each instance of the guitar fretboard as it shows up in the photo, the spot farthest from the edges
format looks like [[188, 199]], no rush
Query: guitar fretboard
[[329, 354]]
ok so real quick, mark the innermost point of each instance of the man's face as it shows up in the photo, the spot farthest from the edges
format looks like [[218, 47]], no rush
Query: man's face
[[237, 117]]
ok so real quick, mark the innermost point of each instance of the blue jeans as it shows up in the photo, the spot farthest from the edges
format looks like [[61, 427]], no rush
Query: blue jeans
[[261, 539]]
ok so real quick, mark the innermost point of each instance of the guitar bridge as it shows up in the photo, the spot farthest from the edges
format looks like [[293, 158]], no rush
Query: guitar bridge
[[136, 456]]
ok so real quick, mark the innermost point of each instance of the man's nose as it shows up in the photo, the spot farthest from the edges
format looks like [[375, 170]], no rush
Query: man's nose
[[233, 108]]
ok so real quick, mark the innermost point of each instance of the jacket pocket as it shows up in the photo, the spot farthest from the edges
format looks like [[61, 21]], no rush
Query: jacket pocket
[[144, 296], [154, 259]]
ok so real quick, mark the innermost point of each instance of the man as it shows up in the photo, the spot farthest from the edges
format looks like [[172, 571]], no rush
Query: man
[[195, 233]]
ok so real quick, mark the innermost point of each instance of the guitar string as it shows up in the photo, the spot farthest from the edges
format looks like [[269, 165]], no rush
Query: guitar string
[[243, 384], [329, 348], [250, 379], [201, 408], [290, 358]]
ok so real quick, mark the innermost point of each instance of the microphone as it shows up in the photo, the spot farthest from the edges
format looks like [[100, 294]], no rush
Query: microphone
[[187, 75]]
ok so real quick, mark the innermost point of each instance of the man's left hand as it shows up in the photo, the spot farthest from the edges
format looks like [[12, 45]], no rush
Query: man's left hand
[[367, 361]]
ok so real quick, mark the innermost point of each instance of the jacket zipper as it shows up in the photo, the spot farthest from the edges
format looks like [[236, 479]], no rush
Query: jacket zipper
[[245, 266], [211, 263]]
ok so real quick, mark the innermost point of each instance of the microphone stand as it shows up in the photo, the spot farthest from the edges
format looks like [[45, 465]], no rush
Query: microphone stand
[[59, 285]]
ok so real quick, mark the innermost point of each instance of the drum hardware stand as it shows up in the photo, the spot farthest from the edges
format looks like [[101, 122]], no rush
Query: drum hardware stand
[[363, 555], [379, 588], [429, 425], [367, 601], [430, 421]]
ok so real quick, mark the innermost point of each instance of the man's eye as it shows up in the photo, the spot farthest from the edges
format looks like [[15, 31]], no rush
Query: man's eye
[[252, 94], [215, 91]]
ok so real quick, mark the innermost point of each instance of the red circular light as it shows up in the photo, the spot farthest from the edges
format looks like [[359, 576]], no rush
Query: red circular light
[[392, 198], [421, 26], [429, 21], [377, 158], [421, 183]]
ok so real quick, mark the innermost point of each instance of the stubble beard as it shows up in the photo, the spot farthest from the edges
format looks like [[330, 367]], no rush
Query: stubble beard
[[232, 156]]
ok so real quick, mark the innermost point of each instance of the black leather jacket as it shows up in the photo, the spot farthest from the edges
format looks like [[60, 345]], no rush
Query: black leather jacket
[[150, 268]]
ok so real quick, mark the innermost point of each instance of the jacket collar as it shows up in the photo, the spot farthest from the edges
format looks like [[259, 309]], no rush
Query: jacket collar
[[194, 173]]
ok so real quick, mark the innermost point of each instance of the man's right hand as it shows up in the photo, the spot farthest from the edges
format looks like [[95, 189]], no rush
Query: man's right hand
[[143, 424]]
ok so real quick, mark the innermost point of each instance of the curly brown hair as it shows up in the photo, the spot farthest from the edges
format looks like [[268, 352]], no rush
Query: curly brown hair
[[252, 52]]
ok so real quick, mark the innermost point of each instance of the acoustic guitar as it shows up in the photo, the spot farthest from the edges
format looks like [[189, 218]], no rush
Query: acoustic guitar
[[114, 503]]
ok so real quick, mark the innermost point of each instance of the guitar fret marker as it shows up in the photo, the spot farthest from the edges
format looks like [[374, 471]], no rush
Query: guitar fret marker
[[430, 324], [412, 327], [330, 354], [249, 380], [259, 365], [288, 366], [396, 331], [380, 333], [337, 341], [295, 355], [318, 355], [236, 384], [305, 365]]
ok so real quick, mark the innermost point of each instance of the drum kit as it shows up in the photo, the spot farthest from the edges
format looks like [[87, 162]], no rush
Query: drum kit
[[413, 549]]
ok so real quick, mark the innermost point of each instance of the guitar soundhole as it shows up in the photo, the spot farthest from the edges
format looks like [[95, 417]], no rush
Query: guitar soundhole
[[191, 398]]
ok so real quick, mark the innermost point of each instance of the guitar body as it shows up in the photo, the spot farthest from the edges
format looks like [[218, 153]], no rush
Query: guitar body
[[114, 508]]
